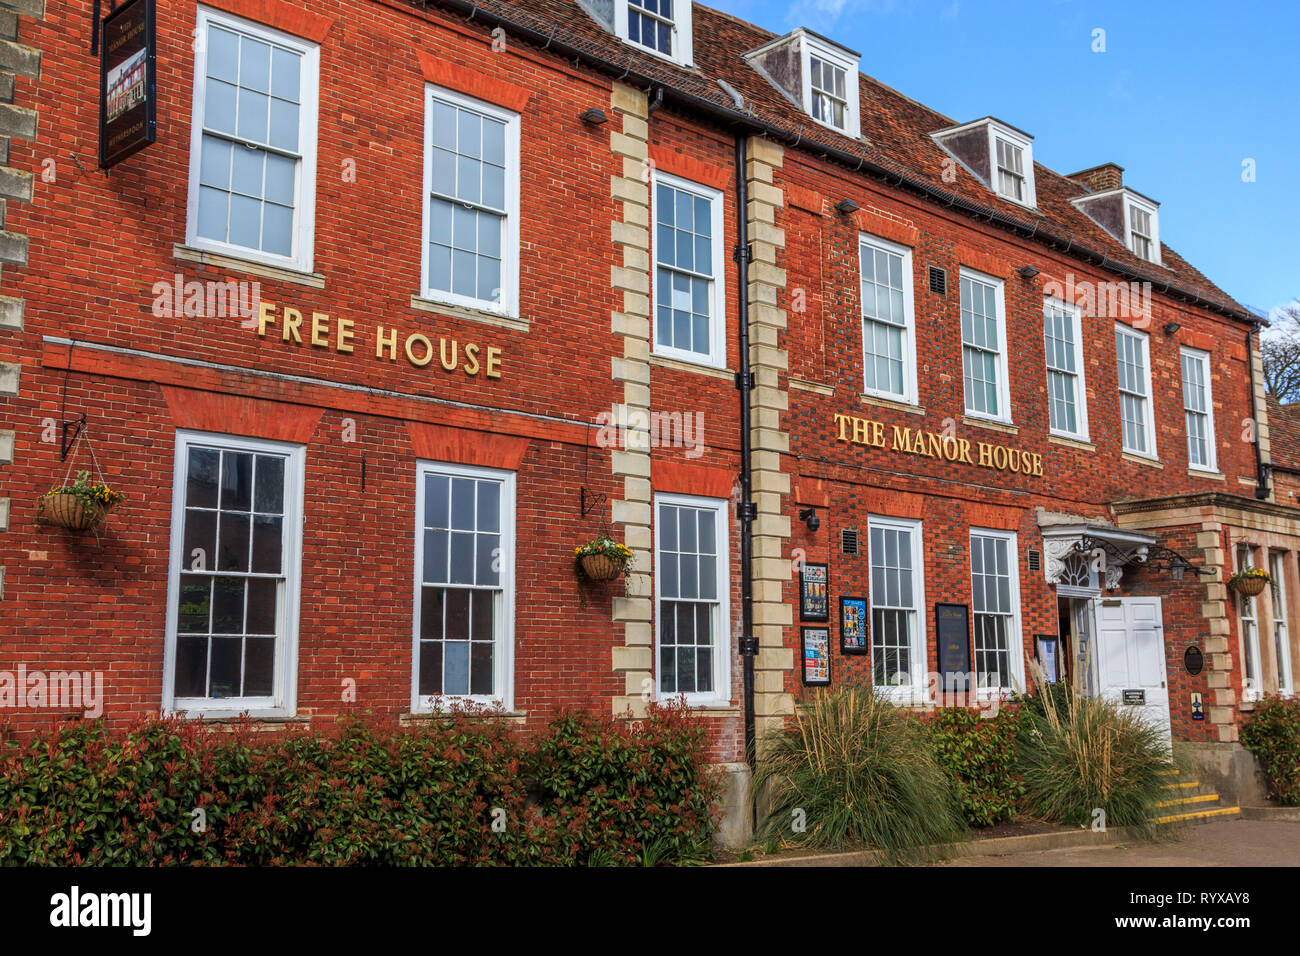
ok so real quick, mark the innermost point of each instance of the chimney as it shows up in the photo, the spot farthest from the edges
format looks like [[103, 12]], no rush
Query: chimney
[[1100, 178]]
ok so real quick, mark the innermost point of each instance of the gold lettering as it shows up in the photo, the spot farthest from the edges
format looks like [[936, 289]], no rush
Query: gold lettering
[[265, 316], [1013, 459], [860, 431], [902, 440], [320, 330], [1038, 466], [965, 451], [292, 320], [878, 434], [385, 342], [986, 455], [1000, 457], [936, 445], [471, 358], [951, 450], [493, 362], [410, 352], [448, 365], [843, 422], [343, 341]]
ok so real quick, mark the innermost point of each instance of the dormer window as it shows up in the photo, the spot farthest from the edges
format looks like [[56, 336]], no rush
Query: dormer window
[[816, 75], [1130, 217], [1139, 231], [1011, 170], [828, 103], [661, 27], [1000, 156]]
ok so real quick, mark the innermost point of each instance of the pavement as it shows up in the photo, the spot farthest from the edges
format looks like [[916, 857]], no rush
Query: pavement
[[1226, 843]]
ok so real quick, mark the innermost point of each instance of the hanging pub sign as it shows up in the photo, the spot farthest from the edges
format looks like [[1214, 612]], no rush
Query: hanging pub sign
[[952, 626], [128, 100], [814, 592]]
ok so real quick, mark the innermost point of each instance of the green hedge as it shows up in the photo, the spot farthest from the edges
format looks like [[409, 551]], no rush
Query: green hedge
[[1273, 736], [459, 790], [981, 755]]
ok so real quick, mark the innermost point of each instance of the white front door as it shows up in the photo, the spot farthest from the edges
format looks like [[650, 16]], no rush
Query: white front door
[[1130, 658]]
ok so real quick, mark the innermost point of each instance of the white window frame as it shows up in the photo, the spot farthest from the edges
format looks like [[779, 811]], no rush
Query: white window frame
[[503, 691], [717, 357], [916, 692], [509, 304], [682, 42], [304, 229], [1149, 423], [1026, 146], [1004, 385], [284, 700], [909, 393], [811, 46], [1081, 387], [1251, 648], [720, 696], [1015, 636], [1131, 202], [1277, 569], [1203, 358]]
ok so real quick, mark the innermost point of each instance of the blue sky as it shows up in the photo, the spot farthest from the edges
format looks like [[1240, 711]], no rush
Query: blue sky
[[1183, 94]]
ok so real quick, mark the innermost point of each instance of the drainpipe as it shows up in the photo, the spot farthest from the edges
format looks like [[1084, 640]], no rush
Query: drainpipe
[[747, 510], [1261, 470]]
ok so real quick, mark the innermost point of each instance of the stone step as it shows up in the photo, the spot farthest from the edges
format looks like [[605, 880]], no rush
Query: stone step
[[1198, 816], [1190, 800]]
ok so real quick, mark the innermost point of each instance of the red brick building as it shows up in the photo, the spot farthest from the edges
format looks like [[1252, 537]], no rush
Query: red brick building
[[410, 299]]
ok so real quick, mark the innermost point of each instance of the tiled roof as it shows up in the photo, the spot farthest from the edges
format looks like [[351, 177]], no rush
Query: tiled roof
[[1284, 433], [896, 129]]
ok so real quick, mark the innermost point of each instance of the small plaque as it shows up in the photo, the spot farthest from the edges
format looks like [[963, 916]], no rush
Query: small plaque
[[1135, 698], [1198, 707], [1193, 660]]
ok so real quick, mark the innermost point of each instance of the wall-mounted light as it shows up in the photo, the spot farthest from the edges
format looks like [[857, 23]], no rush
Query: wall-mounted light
[[846, 207], [594, 117], [809, 517], [1027, 272], [1171, 328]]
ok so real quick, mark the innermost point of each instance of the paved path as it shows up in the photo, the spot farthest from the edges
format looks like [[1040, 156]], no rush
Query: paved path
[[1227, 843]]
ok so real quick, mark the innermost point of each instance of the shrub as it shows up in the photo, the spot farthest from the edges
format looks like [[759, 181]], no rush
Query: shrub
[[1273, 736], [856, 770], [450, 792], [1079, 753], [980, 755]]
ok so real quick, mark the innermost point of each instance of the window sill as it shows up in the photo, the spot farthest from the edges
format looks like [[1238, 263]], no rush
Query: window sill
[[804, 385], [1142, 459], [714, 710], [1210, 475], [1077, 443], [267, 719], [219, 260], [663, 361], [424, 717], [472, 315], [895, 404], [990, 424]]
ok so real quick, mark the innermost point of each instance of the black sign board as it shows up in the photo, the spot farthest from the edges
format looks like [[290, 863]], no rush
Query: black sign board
[[1193, 659], [127, 82], [952, 628], [815, 592], [1136, 698]]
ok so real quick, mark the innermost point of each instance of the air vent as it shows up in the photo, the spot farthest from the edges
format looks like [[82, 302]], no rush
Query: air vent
[[938, 281], [849, 540], [1035, 559]]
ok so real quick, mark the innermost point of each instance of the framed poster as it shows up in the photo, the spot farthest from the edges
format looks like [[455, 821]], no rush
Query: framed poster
[[1045, 648], [853, 625], [814, 592], [952, 630], [128, 101], [815, 643]]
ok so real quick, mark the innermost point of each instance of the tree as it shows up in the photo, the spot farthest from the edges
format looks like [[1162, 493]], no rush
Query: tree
[[1280, 350]]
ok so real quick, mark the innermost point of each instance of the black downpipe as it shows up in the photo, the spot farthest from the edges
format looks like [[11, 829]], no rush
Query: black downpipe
[[1261, 470], [747, 511]]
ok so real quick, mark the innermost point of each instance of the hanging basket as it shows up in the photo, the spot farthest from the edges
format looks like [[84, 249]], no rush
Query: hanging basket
[[600, 567], [71, 512], [1251, 586]]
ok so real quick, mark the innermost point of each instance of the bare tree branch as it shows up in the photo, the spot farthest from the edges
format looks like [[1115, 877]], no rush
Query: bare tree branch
[[1281, 355]]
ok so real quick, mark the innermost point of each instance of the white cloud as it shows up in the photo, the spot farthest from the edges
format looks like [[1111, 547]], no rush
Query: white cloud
[[820, 15]]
